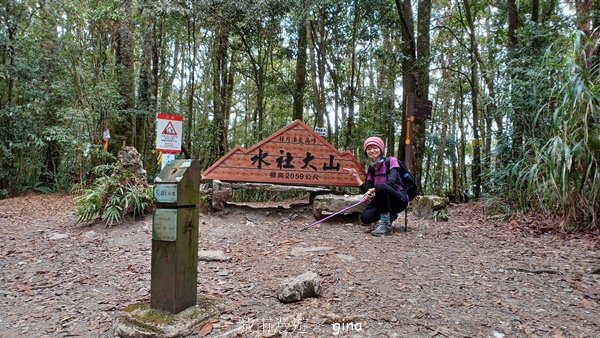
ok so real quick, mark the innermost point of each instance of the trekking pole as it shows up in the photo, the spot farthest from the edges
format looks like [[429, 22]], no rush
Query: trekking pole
[[337, 213]]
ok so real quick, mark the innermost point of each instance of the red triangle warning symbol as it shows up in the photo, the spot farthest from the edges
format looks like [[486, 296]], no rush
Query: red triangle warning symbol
[[169, 130]]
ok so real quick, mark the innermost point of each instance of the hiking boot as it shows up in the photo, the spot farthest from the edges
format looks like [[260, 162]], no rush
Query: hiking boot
[[383, 229]]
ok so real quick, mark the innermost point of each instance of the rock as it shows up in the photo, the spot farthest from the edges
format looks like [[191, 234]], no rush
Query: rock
[[131, 160], [424, 206], [56, 235], [346, 258], [90, 234], [331, 203], [297, 251], [295, 289], [213, 256], [220, 194]]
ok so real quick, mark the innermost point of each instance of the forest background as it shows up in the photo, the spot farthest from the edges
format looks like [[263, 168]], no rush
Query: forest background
[[514, 86]]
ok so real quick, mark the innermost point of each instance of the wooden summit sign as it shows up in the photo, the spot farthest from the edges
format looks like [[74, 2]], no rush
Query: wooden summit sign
[[294, 155]]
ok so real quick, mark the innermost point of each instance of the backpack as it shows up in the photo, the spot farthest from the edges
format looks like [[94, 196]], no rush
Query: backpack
[[408, 180]]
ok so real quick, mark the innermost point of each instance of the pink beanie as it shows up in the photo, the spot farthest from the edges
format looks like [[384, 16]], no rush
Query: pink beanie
[[375, 141]]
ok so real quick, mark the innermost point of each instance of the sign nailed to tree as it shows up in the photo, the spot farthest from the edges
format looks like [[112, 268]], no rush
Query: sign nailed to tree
[[294, 155], [169, 133]]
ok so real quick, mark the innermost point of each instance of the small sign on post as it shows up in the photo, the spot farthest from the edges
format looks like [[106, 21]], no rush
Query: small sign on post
[[321, 131], [166, 159], [423, 108], [164, 225], [169, 132]]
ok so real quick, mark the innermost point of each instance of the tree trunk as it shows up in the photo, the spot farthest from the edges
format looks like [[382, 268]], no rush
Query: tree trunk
[[157, 35], [125, 76], [476, 168], [491, 106], [9, 54], [439, 165], [387, 98], [191, 83], [415, 73], [322, 59], [352, 80], [513, 23], [317, 69], [167, 86], [463, 141], [221, 90], [454, 153], [228, 94], [260, 102], [313, 68], [332, 131], [535, 10], [144, 102], [300, 79], [408, 77], [422, 77], [596, 34]]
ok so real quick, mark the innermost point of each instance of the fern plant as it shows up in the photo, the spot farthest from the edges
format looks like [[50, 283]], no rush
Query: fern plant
[[114, 196], [440, 215]]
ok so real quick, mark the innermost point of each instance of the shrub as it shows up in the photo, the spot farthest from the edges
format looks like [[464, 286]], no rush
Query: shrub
[[115, 195]]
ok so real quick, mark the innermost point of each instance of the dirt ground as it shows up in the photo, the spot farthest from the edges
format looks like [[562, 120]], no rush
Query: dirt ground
[[468, 277]]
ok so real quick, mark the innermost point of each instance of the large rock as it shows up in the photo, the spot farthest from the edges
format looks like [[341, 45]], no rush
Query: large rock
[[221, 193], [295, 289], [331, 203], [131, 160], [424, 206]]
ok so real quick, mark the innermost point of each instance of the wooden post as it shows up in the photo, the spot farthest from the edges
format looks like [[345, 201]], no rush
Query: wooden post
[[175, 237]]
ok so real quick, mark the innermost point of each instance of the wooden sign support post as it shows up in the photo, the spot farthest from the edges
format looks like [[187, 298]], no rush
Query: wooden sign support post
[[416, 109]]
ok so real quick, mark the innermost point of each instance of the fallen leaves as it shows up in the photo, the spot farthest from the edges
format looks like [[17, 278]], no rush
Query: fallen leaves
[[436, 279], [205, 330]]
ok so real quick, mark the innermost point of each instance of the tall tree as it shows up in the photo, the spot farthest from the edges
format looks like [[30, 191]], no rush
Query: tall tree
[[300, 78], [351, 87], [223, 77], [415, 70], [146, 96], [124, 128], [513, 42], [191, 87], [470, 14], [446, 99], [317, 48]]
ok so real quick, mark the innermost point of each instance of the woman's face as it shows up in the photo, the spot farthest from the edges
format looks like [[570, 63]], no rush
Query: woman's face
[[373, 152]]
